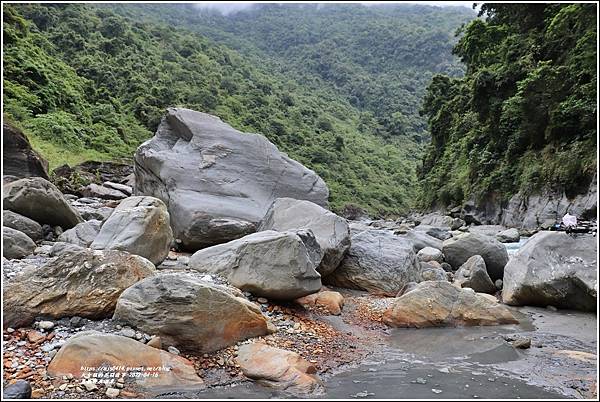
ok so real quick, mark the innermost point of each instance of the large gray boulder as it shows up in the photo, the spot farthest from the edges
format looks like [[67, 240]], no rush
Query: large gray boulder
[[459, 249], [84, 283], [508, 236], [18, 158], [379, 262], [473, 274], [16, 244], [553, 268], [420, 240], [189, 313], [82, 234], [23, 224], [437, 220], [40, 200], [277, 265], [139, 225], [217, 182], [331, 231]]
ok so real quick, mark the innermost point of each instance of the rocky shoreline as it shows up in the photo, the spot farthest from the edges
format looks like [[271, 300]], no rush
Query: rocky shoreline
[[162, 282]]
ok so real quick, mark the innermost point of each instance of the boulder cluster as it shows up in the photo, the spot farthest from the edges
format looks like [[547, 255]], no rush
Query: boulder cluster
[[247, 213]]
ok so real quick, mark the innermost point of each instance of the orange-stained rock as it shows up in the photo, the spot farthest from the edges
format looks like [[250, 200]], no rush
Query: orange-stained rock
[[440, 304], [94, 349], [327, 299], [278, 368]]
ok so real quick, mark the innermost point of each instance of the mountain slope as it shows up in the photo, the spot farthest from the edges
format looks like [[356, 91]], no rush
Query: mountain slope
[[523, 119]]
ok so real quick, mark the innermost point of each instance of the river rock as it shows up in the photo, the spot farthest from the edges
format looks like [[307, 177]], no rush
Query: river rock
[[275, 265], [487, 230], [433, 271], [379, 262], [438, 233], [19, 390], [23, 224], [16, 244], [61, 247], [18, 158], [86, 283], [430, 254], [508, 236], [82, 234], [473, 274], [40, 200], [441, 304], [553, 268], [420, 240], [125, 189], [189, 313], [96, 349], [139, 225], [217, 182], [107, 193], [435, 219], [331, 301], [464, 246], [278, 368], [331, 231]]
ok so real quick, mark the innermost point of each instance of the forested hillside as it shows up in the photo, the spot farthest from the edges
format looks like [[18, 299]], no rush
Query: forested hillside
[[524, 116], [86, 83]]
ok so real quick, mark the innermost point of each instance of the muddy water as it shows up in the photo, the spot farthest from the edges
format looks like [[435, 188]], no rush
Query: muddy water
[[424, 363]]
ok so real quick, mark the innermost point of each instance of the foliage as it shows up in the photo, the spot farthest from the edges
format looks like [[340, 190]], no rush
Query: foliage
[[86, 81], [524, 116]]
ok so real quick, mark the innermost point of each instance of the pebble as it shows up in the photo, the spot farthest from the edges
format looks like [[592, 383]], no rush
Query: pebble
[[420, 380], [436, 391], [551, 308], [173, 349], [522, 343], [90, 386], [128, 332], [262, 300], [112, 392]]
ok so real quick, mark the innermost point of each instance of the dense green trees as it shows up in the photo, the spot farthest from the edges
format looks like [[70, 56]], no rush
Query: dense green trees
[[524, 116], [87, 83]]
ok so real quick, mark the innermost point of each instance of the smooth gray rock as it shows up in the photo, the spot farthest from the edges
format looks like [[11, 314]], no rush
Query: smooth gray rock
[[431, 271], [508, 236], [60, 248], [553, 268], [190, 314], [125, 189], [430, 254], [420, 240], [473, 274], [487, 230], [459, 249], [88, 213], [437, 220], [85, 283], [19, 390], [331, 231], [23, 224], [379, 262], [40, 200], [217, 182], [139, 225], [16, 244], [441, 233], [107, 193], [82, 234], [275, 265]]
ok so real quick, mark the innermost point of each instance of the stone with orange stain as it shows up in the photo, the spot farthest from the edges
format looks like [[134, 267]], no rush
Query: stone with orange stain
[[189, 313], [440, 304], [86, 283], [278, 368], [329, 300], [95, 349]]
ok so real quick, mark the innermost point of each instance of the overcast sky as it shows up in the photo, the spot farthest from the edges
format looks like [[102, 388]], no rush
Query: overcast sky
[[236, 6]]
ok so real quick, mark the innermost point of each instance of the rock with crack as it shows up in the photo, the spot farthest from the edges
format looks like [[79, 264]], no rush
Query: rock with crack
[[278, 368], [441, 304], [139, 225], [40, 200], [331, 231], [82, 234], [553, 268], [83, 283], [23, 224], [216, 181], [473, 274], [459, 249], [378, 262], [275, 265], [189, 313], [96, 349], [16, 244]]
